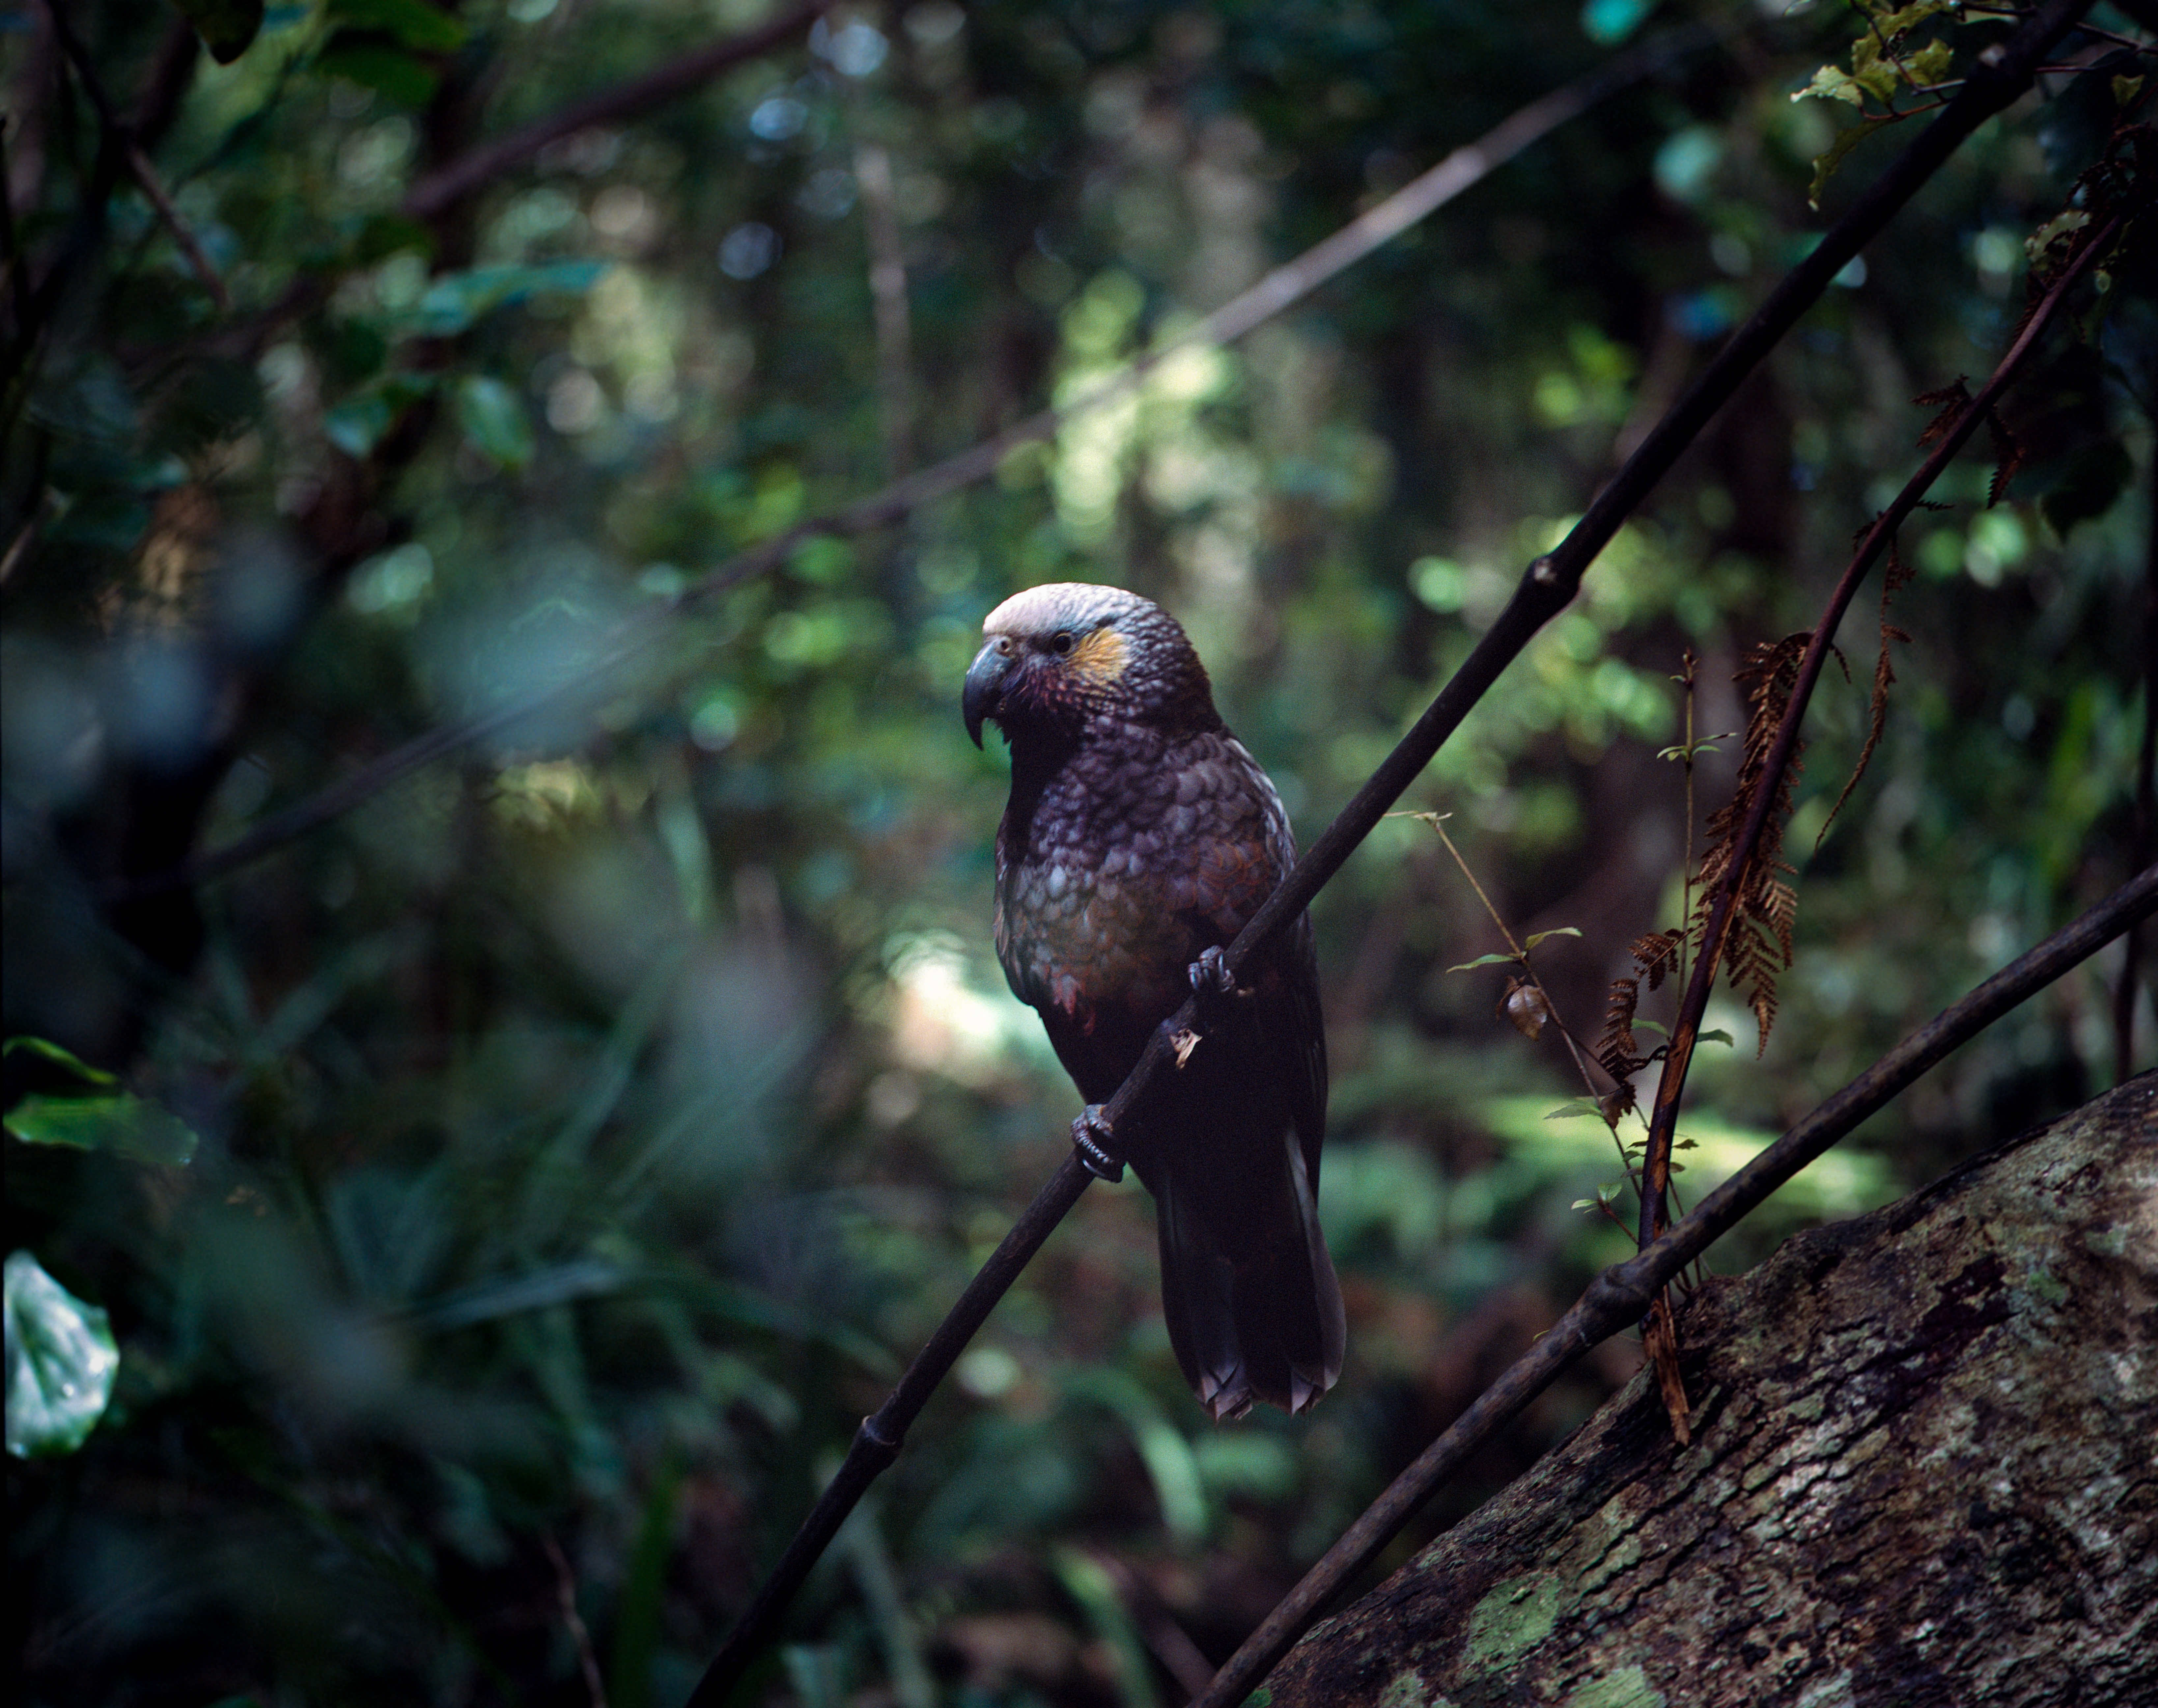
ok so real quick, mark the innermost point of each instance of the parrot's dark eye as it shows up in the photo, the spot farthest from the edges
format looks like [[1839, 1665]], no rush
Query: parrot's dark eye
[[1062, 642]]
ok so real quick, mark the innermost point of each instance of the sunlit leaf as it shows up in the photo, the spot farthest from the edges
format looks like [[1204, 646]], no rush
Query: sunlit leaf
[[1560, 931], [61, 1360], [49, 1051], [452, 302], [1482, 961], [1572, 1108], [226, 27], [132, 1126], [1930, 66], [1832, 83], [1714, 1034]]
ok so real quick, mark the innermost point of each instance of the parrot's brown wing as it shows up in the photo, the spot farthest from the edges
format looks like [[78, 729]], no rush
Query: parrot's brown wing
[[1253, 1307]]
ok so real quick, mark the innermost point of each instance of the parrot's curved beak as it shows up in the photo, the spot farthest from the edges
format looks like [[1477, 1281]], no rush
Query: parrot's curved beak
[[984, 692]]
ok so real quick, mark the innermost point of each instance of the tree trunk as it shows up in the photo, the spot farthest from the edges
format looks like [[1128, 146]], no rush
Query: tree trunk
[[1924, 1470]]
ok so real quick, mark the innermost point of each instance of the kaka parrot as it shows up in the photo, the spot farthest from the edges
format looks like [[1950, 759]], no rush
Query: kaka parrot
[[1140, 836]]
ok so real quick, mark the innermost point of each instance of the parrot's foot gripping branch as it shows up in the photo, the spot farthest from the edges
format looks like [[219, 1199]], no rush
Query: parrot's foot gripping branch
[[1091, 1137], [1210, 976]]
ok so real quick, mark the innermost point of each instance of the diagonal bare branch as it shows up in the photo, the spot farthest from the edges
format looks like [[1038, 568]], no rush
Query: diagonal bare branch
[[469, 173]]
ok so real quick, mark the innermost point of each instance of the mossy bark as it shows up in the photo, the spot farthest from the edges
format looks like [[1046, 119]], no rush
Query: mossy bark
[[1924, 1471]]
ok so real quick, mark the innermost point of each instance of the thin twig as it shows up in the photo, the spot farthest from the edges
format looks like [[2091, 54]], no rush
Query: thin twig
[[1546, 589], [1517, 949], [1279, 290], [445, 186], [1619, 1296], [565, 1594], [1655, 1172], [146, 177]]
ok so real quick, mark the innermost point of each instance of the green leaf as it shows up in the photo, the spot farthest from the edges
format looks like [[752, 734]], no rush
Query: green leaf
[[356, 425], [1825, 163], [64, 1058], [1714, 1034], [452, 302], [1907, 18], [1573, 1107], [2125, 89], [377, 62], [1482, 961], [412, 22], [1833, 83], [494, 420], [226, 27], [1930, 66], [132, 1126], [1872, 71], [61, 1360], [2059, 226], [1556, 930]]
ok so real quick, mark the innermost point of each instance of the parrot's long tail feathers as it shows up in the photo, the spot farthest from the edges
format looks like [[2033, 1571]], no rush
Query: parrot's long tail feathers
[[1253, 1307]]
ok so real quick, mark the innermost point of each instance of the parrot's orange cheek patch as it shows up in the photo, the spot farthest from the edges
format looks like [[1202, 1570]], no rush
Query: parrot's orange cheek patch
[[1100, 659]]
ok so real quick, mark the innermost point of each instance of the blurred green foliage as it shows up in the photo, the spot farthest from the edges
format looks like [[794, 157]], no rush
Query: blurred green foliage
[[583, 1132]]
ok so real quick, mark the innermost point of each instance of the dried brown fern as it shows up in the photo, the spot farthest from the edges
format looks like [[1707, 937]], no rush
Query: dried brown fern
[[1757, 946], [1894, 576], [1616, 1051]]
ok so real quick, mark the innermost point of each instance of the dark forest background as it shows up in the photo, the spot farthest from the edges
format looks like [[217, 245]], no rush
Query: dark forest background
[[511, 1192]]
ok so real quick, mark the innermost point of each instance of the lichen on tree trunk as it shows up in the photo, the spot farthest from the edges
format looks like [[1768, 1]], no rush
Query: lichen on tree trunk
[[1924, 1471]]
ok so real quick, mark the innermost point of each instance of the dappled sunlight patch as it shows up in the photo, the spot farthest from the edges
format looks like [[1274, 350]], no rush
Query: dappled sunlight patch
[[942, 1021]]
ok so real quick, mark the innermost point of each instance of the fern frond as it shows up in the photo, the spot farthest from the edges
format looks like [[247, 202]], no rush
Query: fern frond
[[1950, 400], [1894, 576], [1616, 1051], [2008, 457]]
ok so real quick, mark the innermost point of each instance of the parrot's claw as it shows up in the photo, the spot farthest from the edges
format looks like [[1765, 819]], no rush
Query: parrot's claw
[[1090, 1134], [1210, 976]]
